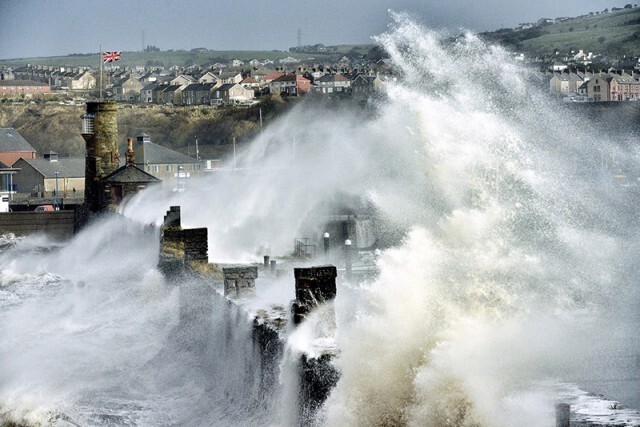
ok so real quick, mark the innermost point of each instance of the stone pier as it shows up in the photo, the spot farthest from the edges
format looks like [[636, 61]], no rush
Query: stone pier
[[180, 246], [240, 282], [314, 286]]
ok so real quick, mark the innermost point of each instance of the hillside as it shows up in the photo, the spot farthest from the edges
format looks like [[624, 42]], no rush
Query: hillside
[[613, 34], [54, 127], [330, 54]]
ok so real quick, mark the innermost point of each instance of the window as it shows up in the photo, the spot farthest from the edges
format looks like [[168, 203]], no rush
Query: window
[[168, 168], [156, 168]]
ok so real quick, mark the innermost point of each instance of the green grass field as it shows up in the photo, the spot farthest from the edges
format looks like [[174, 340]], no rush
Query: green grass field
[[614, 34]]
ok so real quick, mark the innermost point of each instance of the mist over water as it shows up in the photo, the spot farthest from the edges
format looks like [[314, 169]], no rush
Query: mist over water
[[508, 265]]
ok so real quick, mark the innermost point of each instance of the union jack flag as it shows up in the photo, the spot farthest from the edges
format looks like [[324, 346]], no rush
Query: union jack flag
[[110, 57]]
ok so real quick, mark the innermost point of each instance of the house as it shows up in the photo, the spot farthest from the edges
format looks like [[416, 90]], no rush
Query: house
[[288, 60], [182, 80], [150, 77], [6, 73], [250, 83], [313, 74], [565, 82], [198, 93], [363, 85], [127, 89], [598, 87], [558, 66], [13, 147], [208, 77], [266, 77], [290, 85], [163, 163], [227, 77], [624, 87], [583, 58], [23, 88], [125, 181], [82, 80], [172, 94], [157, 93], [332, 83], [232, 93], [146, 93], [43, 176], [7, 188]]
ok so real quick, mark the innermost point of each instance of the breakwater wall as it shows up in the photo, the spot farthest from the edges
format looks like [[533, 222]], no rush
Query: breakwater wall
[[55, 224], [203, 287]]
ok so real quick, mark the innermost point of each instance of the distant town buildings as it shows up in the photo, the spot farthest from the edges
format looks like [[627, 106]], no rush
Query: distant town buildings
[[233, 83]]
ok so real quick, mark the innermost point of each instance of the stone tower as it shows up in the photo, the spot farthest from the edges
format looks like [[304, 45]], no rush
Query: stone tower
[[100, 132]]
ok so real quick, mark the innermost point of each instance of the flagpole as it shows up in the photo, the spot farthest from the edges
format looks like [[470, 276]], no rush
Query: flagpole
[[101, 66]]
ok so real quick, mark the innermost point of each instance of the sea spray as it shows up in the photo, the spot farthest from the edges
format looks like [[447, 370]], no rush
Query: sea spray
[[498, 287]]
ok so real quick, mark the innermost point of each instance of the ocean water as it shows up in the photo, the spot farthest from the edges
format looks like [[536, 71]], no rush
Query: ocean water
[[508, 233]]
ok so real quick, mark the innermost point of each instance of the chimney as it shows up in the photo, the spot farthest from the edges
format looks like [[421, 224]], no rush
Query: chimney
[[130, 155], [52, 156]]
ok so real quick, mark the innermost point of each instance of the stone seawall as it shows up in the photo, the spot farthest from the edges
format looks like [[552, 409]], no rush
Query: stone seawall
[[55, 224], [183, 261]]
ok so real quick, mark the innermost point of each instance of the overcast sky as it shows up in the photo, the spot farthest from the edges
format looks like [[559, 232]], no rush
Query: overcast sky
[[30, 28]]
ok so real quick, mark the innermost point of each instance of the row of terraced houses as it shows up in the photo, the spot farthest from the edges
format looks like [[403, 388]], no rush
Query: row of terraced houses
[[193, 87], [219, 87], [585, 86]]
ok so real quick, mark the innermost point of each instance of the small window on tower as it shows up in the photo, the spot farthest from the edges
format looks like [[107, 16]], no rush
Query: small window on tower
[[87, 124]]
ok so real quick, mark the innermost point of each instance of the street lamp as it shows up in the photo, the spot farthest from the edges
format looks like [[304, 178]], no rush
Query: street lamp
[[347, 258], [179, 185], [325, 239], [56, 198]]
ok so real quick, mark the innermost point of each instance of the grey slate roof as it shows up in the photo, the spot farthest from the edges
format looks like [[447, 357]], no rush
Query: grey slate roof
[[11, 140], [67, 168], [172, 88], [226, 87], [157, 154], [151, 86], [199, 87], [333, 78], [130, 174]]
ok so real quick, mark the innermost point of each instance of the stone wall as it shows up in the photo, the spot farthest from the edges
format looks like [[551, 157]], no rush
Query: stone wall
[[173, 217], [179, 245], [240, 281], [314, 286], [196, 244], [56, 224]]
